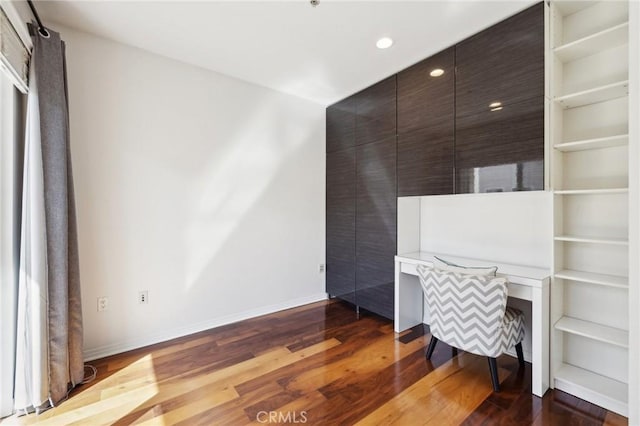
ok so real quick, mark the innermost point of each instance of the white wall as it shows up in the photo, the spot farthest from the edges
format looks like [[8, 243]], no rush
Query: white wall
[[512, 227], [200, 188]]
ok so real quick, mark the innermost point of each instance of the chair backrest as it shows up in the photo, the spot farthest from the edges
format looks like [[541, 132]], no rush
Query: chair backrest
[[466, 310]]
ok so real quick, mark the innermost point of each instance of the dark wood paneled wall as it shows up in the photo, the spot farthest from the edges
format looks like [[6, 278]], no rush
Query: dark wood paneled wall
[[376, 112], [361, 197], [513, 154], [505, 64], [502, 63], [341, 224], [415, 134], [425, 126], [341, 125], [376, 226]]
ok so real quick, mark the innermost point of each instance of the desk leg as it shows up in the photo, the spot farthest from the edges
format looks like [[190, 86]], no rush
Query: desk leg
[[540, 340], [408, 301]]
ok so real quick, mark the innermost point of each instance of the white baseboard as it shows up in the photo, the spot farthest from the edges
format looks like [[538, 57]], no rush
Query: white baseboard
[[127, 345]]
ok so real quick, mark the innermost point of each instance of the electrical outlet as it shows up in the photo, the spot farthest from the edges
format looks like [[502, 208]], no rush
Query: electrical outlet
[[103, 303], [321, 268], [143, 297]]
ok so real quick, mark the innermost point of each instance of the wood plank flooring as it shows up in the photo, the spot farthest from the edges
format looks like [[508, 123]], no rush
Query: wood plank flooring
[[316, 364]]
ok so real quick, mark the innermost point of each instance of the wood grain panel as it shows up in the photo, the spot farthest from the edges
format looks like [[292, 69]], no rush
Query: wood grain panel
[[504, 63], [376, 225], [424, 101], [376, 298], [512, 137], [359, 371], [341, 224], [501, 147], [376, 112], [426, 125], [341, 125], [425, 163]]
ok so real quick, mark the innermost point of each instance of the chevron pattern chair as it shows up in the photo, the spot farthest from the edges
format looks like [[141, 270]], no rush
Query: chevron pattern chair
[[470, 312]]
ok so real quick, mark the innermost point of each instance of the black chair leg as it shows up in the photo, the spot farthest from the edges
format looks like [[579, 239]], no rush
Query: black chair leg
[[493, 367], [432, 346], [454, 351], [520, 354]]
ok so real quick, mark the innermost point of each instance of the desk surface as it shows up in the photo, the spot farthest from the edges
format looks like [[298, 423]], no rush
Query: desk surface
[[504, 269]]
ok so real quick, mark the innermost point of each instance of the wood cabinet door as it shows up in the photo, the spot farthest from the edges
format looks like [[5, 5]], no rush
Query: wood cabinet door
[[501, 151], [376, 226], [500, 106], [376, 112], [341, 125], [504, 63], [341, 224], [426, 125]]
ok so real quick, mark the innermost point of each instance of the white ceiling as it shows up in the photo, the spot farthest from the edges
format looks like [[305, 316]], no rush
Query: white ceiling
[[323, 54]]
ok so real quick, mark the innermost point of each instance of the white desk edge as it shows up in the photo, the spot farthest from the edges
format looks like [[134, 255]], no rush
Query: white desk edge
[[517, 274]]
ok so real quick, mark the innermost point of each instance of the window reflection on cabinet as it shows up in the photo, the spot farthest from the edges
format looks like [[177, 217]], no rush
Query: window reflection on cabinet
[[494, 155], [525, 176]]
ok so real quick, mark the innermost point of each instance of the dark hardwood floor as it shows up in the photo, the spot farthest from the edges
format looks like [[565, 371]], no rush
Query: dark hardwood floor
[[316, 364]]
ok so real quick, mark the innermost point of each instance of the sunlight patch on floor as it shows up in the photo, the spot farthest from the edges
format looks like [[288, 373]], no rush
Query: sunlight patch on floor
[[445, 396]]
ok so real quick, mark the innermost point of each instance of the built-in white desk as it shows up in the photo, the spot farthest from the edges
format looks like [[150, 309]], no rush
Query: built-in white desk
[[526, 283]]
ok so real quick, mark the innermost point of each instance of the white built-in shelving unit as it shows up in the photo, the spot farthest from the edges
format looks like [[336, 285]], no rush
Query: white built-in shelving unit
[[588, 69]]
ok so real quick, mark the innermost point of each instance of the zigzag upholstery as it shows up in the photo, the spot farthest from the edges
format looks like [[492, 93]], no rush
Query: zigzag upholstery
[[470, 312]]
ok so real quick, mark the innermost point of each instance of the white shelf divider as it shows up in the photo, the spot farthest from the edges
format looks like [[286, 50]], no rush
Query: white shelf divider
[[570, 7], [594, 43], [603, 391], [594, 95], [591, 330], [593, 278], [595, 143], [603, 191], [593, 240]]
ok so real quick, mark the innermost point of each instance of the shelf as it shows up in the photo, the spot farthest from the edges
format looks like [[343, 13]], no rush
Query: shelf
[[591, 191], [570, 7], [587, 46], [593, 240], [596, 143], [603, 391], [592, 330], [593, 278], [595, 95]]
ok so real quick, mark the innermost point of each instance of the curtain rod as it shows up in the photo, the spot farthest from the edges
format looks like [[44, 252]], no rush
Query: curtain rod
[[41, 29]]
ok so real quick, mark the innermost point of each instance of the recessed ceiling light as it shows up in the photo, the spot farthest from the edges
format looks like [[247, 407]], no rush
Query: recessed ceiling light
[[496, 108], [495, 104], [384, 43], [436, 72]]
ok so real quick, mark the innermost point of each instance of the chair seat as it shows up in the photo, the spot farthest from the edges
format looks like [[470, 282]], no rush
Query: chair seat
[[512, 330]]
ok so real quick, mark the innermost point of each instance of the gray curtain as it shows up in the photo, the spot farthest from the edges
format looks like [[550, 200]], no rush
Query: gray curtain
[[49, 341]]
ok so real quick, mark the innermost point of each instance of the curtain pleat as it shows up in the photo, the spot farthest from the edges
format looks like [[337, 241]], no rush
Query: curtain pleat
[[49, 311], [32, 387]]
